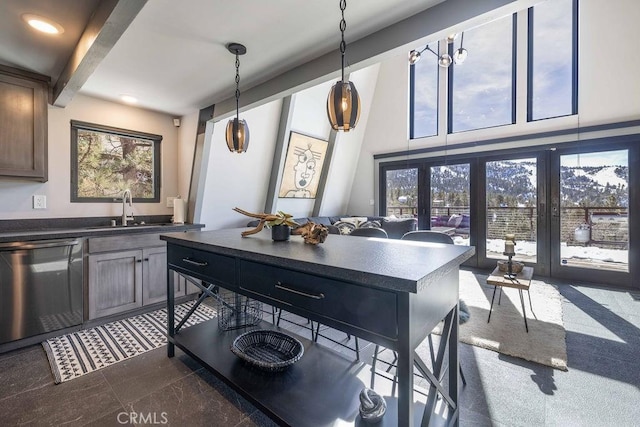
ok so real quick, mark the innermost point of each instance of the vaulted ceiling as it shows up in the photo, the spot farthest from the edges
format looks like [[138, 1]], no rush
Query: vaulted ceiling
[[171, 55]]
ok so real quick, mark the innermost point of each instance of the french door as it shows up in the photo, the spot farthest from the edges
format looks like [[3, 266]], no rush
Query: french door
[[591, 214], [574, 209]]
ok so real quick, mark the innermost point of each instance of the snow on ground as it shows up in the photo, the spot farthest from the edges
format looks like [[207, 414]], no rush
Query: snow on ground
[[525, 248]]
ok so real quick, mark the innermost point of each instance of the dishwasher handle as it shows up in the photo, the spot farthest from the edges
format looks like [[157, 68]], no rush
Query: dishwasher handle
[[41, 244]]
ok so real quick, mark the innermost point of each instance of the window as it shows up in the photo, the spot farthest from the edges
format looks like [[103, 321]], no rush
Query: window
[[424, 96], [450, 201], [401, 192], [552, 60], [105, 161], [481, 89]]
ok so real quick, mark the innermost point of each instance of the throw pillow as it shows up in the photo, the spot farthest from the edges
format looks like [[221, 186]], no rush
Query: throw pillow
[[370, 224], [355, 220], [454, 221], [345, 227], [466, 220]]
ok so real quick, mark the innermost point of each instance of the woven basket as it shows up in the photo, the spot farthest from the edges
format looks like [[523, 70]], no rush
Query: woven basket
[[268, 350], [516, 267]]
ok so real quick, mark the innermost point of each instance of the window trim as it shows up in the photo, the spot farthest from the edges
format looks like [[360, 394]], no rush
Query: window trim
[[574, 64], [156, 139]]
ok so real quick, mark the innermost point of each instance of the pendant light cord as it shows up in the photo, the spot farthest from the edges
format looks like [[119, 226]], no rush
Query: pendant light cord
[[237, 86], [343, 27]]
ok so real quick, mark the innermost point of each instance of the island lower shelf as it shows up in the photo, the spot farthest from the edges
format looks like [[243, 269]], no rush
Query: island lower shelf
[[321, 389]]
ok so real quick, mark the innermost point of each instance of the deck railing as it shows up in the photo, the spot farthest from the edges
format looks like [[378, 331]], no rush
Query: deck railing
[[608, 225]]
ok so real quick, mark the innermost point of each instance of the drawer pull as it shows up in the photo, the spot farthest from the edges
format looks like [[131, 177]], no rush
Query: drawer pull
[[279, 285], [197, 263]]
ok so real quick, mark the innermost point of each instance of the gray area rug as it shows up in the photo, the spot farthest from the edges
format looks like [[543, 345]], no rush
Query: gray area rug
[[88, 350], [545, 343]]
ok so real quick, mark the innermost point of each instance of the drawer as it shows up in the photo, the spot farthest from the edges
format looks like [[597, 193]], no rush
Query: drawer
[[372, 310], [209, 267]]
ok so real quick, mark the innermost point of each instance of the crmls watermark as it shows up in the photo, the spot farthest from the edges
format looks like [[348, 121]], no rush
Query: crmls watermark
[[142, 418]]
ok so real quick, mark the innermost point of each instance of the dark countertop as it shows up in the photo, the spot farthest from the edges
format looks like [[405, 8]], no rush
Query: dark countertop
[[44, 233], [382, 263]]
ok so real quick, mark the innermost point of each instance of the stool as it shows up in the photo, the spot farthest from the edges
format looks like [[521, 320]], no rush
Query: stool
[[521, 282]]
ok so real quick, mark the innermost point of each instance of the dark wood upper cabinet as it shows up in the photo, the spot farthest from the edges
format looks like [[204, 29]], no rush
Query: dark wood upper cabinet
[[23, 124]]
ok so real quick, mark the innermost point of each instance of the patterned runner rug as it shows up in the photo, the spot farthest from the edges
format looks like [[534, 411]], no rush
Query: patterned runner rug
[[79, 353]]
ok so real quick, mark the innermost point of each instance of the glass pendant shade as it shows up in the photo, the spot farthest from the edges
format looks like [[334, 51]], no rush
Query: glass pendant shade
[[414, 56], [237, 135], [445, 60], [343, 106], [460, 56]]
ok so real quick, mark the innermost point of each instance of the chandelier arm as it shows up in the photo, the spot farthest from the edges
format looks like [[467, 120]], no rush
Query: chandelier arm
[[431, 50]]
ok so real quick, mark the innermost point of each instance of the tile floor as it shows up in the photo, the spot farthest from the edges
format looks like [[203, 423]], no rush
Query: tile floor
[[601, 387]]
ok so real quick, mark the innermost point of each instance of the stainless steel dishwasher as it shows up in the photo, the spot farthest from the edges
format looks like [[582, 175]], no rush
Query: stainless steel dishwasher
[[40, 287]]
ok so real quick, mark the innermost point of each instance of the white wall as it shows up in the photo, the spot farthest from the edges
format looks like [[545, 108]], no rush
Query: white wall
[[309, 118], [609, 69], [608, 92], [339, 195], [242, 179], [16, 195], [238, 180], [186, 146]]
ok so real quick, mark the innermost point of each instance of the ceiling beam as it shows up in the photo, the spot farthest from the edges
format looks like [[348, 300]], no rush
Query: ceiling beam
[[109, 21], [427, 26]]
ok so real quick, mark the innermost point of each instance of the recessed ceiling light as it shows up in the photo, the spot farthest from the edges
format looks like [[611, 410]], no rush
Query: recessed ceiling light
[[43, 24], [129, 99]]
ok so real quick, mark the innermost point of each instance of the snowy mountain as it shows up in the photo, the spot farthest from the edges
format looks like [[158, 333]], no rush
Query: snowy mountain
[[513, 183]]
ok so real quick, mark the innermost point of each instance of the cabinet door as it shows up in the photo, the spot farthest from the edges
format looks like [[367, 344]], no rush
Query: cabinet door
[[155, 276], [115, 282], [23, 128]]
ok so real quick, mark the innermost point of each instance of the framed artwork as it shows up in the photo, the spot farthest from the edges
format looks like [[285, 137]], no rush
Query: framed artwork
[[302, 166]]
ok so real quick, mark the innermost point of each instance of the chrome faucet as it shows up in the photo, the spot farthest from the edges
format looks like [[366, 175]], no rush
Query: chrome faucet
[[126, 217]]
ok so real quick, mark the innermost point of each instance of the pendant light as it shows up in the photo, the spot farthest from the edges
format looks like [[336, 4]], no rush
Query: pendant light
[[343, 102], [444, 60], [237, 130], [461, 54]]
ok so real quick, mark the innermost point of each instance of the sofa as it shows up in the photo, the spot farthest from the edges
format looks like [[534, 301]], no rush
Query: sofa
[[394, 227], [454, 225]]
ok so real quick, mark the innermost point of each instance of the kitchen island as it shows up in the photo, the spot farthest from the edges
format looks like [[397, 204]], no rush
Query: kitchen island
[[392, 293]]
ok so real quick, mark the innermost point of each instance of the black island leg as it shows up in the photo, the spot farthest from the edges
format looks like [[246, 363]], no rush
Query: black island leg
[[171, 351]]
